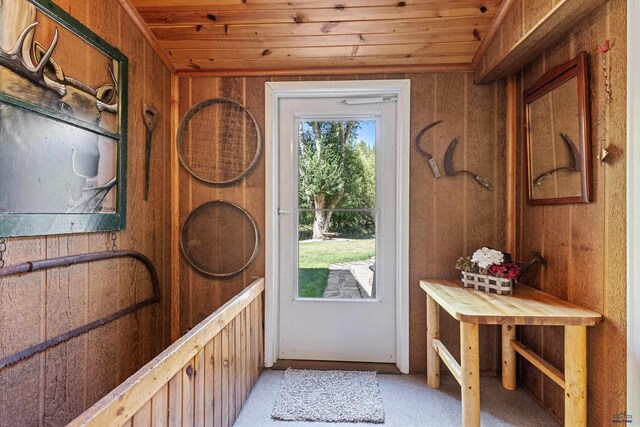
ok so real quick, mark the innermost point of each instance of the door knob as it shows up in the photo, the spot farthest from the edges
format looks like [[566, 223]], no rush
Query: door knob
[[283, 211]]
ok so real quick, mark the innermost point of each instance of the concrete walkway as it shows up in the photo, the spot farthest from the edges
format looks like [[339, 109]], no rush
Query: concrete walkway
[[350, 280]]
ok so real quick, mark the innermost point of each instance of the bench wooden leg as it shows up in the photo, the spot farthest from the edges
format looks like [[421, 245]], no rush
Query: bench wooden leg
[[508, 357], [470, 366], [433, 332], [575, 375]]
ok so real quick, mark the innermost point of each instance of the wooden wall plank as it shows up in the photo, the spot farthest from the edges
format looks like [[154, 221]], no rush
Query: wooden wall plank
[[199, 375], [239, 356], [218, 363], [615, 278], [584, 244], [175, 210], [260, 346], [209, 388], [226, 377], [231, 391], [175, 400], [241, 346], [142, 418], [253, 332], [434, 96], [160, 407], [188, 394]]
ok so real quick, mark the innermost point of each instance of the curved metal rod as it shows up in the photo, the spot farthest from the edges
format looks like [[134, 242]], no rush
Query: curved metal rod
[[29, 267]]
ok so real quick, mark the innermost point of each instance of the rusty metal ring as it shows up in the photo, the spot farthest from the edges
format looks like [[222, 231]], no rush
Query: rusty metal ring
[[198, 266]]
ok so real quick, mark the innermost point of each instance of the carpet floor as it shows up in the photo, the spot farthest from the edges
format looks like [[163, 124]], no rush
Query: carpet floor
[[409, 402], [329, 396]]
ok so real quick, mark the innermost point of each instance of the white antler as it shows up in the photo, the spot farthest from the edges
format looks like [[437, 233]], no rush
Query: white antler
[[14, 60]]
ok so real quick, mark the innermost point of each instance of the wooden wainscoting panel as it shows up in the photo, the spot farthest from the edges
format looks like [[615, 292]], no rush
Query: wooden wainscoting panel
[[226, 377], [217, 379], [209, 384], [182, 385], [142, 418], [160, 407], [175, 400], [188, 393], [199, 388]]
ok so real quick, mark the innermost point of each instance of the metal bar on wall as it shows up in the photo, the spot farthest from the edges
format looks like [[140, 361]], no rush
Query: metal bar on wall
[[29, 267]]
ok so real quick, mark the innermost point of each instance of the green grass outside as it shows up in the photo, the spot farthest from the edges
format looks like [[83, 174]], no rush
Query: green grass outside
[[317, 256]]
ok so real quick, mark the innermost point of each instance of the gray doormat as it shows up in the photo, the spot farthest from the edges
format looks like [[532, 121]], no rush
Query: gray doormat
[[329, 396]]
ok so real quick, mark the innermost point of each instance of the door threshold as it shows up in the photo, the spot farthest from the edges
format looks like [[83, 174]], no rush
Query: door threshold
[[381, 368]]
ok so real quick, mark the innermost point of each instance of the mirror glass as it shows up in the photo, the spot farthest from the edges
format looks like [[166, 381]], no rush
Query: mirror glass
[[557, 135], [554, 159]]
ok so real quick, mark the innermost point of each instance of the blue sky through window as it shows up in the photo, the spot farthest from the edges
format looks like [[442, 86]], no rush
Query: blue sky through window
[[366, 133]]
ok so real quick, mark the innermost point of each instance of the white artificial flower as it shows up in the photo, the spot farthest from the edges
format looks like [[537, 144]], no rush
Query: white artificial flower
[[486, 257]]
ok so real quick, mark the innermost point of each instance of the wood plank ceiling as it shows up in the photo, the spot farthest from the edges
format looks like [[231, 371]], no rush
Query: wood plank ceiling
[[254, 36]]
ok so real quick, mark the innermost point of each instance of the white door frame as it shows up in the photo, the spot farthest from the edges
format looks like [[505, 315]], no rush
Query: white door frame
[[633, 212], [274, 91]]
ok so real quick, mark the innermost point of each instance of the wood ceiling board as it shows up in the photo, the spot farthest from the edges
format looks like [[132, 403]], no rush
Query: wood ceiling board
[[161, 5], [279, 34], [391, 51], [457, 9], [243, 42], [188, 32], [294, 63]]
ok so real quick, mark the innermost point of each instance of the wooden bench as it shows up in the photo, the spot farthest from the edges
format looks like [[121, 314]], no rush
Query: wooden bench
[[328, 236], [527, 306]]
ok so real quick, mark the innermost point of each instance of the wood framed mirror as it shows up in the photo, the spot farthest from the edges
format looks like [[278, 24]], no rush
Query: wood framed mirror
[[557, 132]]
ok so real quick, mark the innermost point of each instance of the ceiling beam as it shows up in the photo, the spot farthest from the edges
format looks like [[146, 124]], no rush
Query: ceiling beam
[[498, 19], [329, 71], [512, 57]]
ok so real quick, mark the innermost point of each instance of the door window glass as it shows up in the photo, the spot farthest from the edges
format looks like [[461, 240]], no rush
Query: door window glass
[[337, 209]]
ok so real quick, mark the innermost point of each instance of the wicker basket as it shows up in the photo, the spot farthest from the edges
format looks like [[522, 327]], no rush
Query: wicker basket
[[482, 282]]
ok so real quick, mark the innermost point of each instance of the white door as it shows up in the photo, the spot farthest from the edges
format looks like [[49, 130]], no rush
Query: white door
[[337, 295]]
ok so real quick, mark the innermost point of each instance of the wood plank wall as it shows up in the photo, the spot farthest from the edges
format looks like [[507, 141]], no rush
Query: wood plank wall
[[584, 244], [54, 387], [529, 27], [211, 389], [204, 378], [449, 217]]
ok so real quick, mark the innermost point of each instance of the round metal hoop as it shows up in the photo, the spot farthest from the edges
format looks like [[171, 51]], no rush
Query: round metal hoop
[[194, 263], [192, 112]]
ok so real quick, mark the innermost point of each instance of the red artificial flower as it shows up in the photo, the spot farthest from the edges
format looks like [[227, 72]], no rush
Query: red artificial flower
[[505, 269]]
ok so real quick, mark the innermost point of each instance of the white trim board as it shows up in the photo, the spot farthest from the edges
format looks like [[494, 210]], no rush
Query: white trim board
[[633, 212], [274, 91]]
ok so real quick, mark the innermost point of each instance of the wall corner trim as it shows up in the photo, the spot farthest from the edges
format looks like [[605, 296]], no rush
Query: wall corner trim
[[146, 33], [633, 213]]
